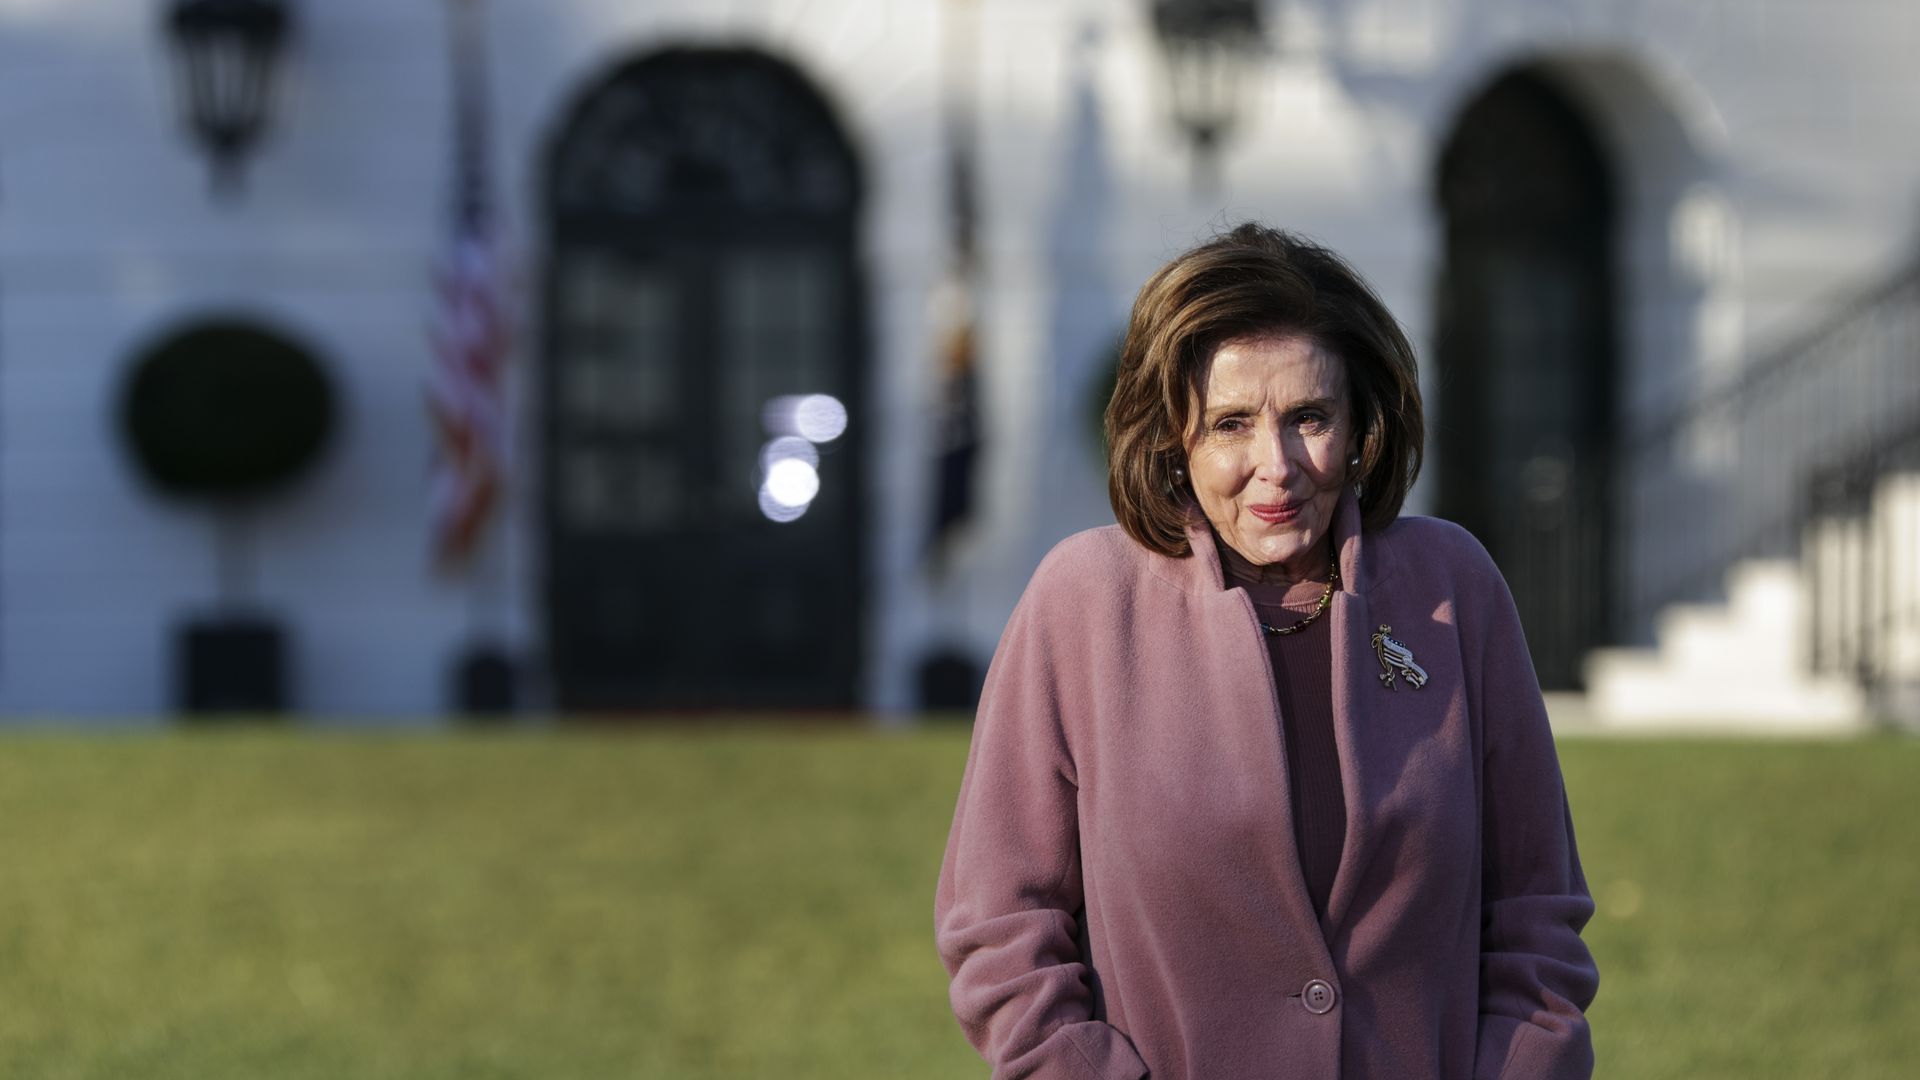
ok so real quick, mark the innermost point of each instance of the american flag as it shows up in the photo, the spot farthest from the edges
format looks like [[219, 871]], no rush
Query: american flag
[[472, 334], [465, 396], [958, 437]]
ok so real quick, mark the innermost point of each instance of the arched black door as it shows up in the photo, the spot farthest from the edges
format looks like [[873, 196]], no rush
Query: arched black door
[[703, 265], [1525, 354]]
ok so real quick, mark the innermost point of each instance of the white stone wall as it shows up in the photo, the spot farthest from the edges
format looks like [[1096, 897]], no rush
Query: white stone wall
[[1765, 148], [108, 239]]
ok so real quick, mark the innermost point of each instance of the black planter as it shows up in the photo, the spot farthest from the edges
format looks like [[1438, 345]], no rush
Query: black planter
[[483, 681], [230, 665], [949, 681]]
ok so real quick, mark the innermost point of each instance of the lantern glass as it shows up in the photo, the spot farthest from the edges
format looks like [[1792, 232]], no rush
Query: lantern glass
[[1205, 83], [225, 53], [1210, 48]]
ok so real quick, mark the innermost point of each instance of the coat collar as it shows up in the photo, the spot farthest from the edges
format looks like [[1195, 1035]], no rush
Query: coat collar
[[1366, 566]]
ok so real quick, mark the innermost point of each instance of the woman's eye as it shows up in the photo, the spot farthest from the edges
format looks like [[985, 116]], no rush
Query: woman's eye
[[1230, 423]]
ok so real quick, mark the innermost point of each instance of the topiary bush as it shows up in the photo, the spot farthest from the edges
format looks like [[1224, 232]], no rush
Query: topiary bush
[[226, 411]]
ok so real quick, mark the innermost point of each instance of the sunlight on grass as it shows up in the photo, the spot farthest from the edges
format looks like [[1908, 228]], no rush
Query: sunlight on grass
[[758, 902]]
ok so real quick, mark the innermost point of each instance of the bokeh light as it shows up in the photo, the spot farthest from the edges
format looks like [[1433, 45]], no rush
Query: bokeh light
[[820, 418], [816, 418], [792, 482], [788, 448], [775, 510]]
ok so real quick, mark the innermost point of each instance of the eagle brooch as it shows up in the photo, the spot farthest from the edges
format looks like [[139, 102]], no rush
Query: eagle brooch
[[1396, 660]]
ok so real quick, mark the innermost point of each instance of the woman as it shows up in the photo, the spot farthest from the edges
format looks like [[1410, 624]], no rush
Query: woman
[[1261, 783]]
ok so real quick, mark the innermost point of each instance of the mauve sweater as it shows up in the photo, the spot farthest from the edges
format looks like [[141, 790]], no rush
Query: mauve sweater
[[1121, 896], [1303, 689]]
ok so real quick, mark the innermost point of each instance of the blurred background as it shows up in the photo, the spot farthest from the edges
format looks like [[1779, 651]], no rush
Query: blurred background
[[720, 371]]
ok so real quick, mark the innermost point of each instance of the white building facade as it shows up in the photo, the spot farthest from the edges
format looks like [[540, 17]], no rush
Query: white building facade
[[751, 197]]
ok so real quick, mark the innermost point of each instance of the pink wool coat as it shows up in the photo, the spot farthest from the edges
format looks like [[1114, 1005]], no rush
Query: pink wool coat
[[1121, 897]]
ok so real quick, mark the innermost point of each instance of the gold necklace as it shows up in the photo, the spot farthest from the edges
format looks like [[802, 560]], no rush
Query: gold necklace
[[1319, 609]]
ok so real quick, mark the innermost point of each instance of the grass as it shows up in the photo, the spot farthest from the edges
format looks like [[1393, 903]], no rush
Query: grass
[[1759, 906], [757, 902]]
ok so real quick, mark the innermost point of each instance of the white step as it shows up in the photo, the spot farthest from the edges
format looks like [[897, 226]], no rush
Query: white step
[[1764, 623], [1741, 667], [1639, 690]]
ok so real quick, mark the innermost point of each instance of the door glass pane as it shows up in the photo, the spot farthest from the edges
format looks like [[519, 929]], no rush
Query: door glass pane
[[779, 336], [617, 364], [585, 496], [652, 490], [615, 392], [616, 488]]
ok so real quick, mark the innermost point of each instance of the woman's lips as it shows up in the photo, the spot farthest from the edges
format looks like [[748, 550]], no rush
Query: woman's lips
[[1275, 513]]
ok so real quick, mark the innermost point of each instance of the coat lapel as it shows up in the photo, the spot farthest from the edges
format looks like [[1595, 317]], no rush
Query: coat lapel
[[1234, 608], [1363, 708], [1353, 664], [1357, 698]]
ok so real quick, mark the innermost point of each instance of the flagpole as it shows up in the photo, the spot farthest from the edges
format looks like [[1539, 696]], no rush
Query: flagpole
[[962, 56], [473, 218], [957, 303], [471, 197], [949, 672], [468, 396]]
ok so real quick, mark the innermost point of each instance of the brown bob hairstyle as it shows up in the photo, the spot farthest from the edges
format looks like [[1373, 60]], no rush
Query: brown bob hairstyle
[[1251, 282]]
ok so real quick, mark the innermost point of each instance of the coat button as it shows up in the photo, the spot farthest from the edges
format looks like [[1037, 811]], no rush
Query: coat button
[[1318, 997]]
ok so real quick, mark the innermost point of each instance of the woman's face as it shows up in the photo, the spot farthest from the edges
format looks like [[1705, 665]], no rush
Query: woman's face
[[1268, 451]]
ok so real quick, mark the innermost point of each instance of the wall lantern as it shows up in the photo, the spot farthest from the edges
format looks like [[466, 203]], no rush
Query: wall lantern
[[225, 53], [1210, 47]]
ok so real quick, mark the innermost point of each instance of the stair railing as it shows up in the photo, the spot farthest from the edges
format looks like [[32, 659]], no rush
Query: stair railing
[[1729, 475], [1862, 563]]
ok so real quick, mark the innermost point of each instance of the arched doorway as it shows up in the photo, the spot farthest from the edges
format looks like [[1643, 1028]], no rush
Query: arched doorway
[[1525, 357], [703, 210]]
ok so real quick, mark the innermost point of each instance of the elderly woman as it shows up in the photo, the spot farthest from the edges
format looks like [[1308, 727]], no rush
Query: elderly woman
[[1261, 783]]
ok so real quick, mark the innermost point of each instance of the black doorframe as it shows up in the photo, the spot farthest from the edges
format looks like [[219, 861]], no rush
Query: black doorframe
[[1526, 357], [792, 190]]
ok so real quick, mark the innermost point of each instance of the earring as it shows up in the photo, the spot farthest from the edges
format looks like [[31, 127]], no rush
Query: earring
[[1179, 474]]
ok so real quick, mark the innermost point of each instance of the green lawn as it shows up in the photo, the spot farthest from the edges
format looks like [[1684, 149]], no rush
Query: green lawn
[[756, 902]]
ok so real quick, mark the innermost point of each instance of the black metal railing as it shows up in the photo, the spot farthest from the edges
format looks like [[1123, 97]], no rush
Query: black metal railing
[[1861, 558], [1731, 475]]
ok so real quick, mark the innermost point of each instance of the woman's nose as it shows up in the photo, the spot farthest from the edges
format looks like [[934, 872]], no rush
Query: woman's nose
[[1271, 458]]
